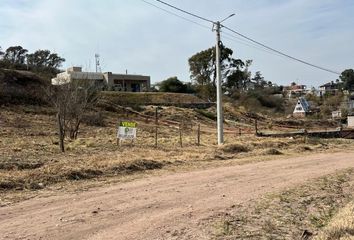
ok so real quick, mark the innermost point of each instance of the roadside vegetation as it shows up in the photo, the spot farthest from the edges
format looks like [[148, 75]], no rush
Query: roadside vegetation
[[341, 227], [302, 212]]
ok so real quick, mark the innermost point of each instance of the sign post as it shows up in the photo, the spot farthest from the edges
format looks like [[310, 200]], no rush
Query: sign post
[[126, 131]]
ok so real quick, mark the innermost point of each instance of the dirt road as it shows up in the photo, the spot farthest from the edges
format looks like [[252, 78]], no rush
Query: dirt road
[[163, 207]]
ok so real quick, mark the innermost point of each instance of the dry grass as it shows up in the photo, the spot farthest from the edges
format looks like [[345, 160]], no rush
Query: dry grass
[[341, 227], [302, 210], [30, 157], [150, 98]]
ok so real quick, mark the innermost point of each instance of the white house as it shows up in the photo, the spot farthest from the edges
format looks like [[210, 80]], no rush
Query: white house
[[107, 80], [302, 108]]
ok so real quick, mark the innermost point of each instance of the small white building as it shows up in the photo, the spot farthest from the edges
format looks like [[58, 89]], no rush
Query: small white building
[[107, 80], [302, 108], [351, 121]]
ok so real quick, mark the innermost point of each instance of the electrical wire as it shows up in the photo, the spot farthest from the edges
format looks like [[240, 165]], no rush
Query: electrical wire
[[279, 53], [176, 15], [184, 11], [231, 37], [248, 44]]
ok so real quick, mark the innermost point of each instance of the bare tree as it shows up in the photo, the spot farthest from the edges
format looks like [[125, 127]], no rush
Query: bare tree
[[71, 100]]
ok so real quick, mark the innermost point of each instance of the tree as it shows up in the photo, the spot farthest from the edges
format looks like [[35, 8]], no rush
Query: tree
[[15, 55], [173, 84], [235, 81], [258, 80], [44, 59], [71, 101], [239, 77], [347, 77], [202, 67], [1, 53]]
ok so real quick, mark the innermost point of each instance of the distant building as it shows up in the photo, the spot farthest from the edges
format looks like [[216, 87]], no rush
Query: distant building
[[330, 88], [295, 90], [350, 104], [107, 80], [337, 114], [302, 108]]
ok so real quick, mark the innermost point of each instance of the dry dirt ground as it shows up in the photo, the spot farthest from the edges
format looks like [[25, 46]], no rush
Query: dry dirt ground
[[170, 206]]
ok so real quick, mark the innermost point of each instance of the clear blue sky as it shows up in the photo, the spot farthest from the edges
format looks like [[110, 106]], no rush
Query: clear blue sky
[[136, 36]]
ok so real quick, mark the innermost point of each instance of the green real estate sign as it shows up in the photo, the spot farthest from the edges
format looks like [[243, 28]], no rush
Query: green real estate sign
[[127, 130]]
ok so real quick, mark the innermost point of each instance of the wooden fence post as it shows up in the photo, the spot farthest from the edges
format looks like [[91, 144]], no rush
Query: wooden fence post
[[156, 122], [256, 126], [239, 131]]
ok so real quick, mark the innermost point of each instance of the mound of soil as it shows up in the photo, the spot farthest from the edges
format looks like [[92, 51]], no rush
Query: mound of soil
[[21, 87]]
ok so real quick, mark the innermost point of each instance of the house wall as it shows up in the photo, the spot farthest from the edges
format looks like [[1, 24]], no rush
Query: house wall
[[74, 73], [350, 121], [117, 82], [127, 82], [299, 114]]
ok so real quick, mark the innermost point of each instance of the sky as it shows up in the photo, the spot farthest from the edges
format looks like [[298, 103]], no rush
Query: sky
[[135, 36]]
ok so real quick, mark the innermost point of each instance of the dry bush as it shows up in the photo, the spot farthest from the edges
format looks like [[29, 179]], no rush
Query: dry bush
[[19, 164], [95, 119], [58, 172], [235, 148], [273, 151], [302, 148], [271, 143]]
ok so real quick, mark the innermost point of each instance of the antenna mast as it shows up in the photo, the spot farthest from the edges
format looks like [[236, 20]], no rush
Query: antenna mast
[[97, 60]]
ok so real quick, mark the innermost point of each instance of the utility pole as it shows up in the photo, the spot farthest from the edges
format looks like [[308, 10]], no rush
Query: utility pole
[[219, 110]]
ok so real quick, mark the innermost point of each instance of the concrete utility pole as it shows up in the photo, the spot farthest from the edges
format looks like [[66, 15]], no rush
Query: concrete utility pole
[[219, 110]]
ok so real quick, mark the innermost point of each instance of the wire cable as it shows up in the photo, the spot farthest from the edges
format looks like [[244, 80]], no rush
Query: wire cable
[[231, 37], [279, 53], [176, 15], [184, 11]]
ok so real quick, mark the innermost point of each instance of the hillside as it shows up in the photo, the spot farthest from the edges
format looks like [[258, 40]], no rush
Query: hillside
[[21, 87], [154, 98]]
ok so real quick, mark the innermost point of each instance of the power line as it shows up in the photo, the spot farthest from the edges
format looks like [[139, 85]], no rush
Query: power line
[[231, 37], [186, 12], [281, 53], [176, 15], [234, 38], [243, 36]]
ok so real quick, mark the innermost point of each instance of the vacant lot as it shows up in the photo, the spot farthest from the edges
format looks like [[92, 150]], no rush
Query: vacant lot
[[175, 190], [31, 160]]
